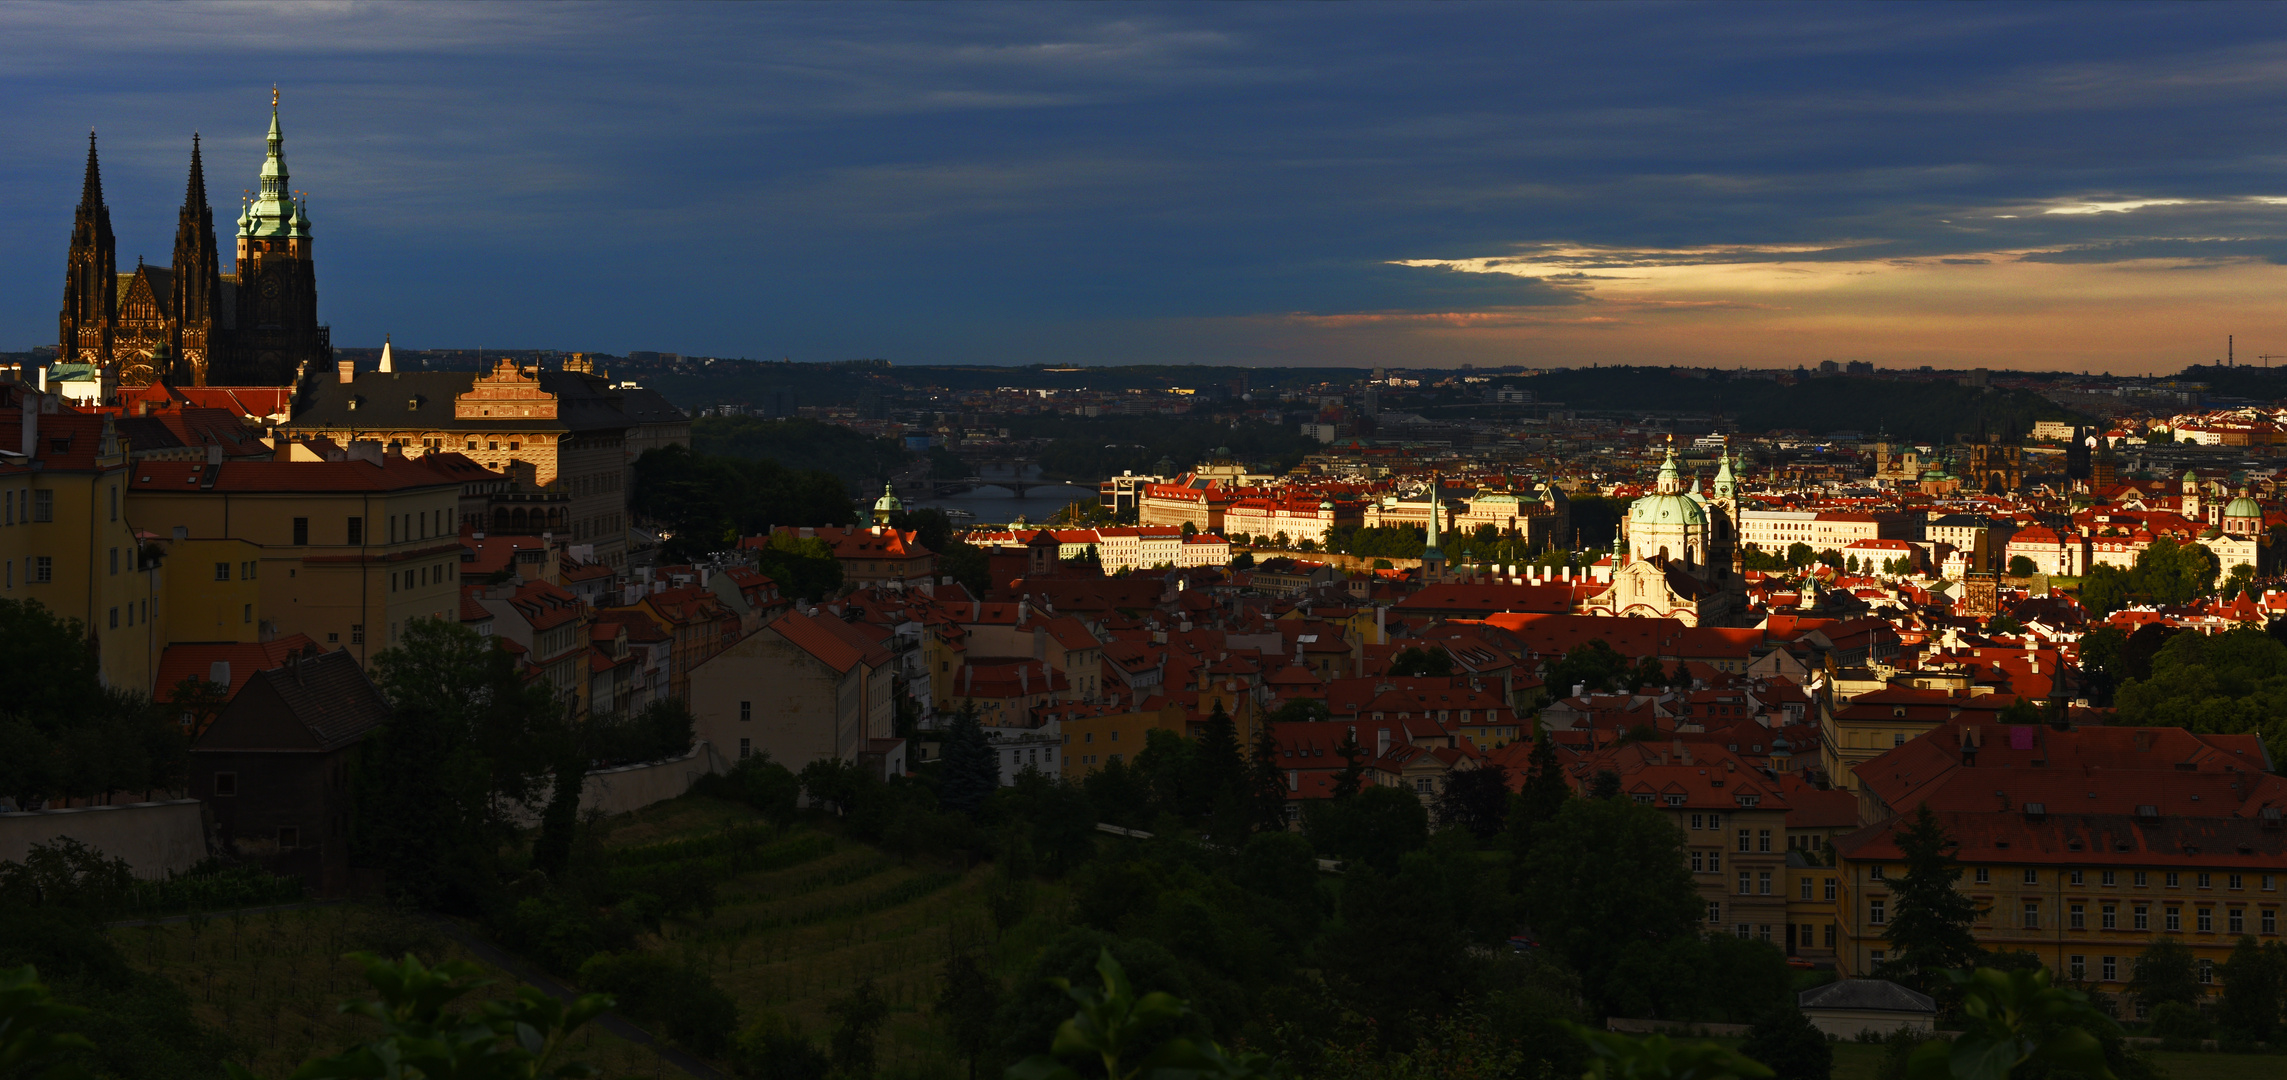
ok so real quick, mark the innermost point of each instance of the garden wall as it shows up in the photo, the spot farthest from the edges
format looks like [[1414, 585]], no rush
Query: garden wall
[[156, 838]]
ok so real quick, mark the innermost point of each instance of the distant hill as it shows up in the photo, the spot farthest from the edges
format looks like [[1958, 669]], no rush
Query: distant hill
[[1925, 410]]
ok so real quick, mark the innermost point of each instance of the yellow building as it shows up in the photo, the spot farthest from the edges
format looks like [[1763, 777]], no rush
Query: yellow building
[[349, 551], [67, 541], [1872, 724], [1096, 736], [213, 592], [1813, 896]]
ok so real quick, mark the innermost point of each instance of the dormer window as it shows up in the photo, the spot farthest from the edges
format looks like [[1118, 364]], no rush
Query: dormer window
[[1748, 800]]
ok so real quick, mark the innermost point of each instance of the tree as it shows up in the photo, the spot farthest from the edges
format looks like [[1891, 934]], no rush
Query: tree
[[1378, 826], [2165, 973], [1546, 789], [1929, 930], [2101, 648], [1353, 772], [63, 733], [804, 568], [1266, 783], [1607, 863], [2254, 984], [968, 767], [858, 1017], [1395, 948], [1800, 555], [525, 1037], [1613, 1056], [2233, 682], [30, 1046], [1219, 771], [1115, 1027], [1593, 666], [1604, 785], [2012, 1021], [2021, 566], [1786, 1041], [1475, 799], [966, 1004]]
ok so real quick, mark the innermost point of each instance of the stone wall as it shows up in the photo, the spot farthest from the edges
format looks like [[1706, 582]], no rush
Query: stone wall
[[156, 838], [629, 788]]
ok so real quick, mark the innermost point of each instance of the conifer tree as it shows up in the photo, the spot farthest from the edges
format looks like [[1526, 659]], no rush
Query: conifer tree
[[971, 769], [1267, 782], [1221, 770], [1929, 932], [1353, 772]]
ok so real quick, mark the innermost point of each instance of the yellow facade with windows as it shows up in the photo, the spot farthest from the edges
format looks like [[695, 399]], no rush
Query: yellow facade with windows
[[67, 541], [2088, 923], [213, 591], [349, 552]]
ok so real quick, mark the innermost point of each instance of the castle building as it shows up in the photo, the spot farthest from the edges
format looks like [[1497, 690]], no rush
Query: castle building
[[190, 324]]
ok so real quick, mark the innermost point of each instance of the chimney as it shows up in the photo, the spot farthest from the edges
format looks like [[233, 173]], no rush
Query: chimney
[[214, 454], [346, 369], [43, 380], [218, 672], [31, 410], [1381, 742]]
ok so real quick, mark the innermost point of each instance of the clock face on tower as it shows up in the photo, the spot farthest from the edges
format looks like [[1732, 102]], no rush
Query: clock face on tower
[[270, 288]]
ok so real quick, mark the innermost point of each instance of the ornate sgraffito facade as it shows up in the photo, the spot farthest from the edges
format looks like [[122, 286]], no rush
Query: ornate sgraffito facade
[[190, 324]]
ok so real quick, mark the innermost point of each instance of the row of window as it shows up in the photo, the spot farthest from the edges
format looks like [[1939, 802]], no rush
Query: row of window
[[419, 576], [38, 570], [27, 507], [2140, 878], [2108, 916]]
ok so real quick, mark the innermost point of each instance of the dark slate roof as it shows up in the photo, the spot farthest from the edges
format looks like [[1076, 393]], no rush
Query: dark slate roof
[[330, 696], [424, 399], [645, 406], [1873, 994]]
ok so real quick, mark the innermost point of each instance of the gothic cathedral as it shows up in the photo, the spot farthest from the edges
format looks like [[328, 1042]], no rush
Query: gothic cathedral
[[190, 324]]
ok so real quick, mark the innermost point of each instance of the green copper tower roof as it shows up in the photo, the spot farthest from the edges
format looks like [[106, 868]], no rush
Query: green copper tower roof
[[274, 214], [888, 504]]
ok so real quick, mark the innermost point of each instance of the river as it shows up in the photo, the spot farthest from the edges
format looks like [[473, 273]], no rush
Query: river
[[996, 505]]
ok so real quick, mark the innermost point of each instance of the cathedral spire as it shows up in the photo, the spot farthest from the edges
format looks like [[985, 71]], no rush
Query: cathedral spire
[[194, 189], [91, 188], [275, 213], [1671, 480]]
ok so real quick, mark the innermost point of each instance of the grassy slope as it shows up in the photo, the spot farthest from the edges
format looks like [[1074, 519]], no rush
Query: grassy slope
[[273, 982], [791, 941]]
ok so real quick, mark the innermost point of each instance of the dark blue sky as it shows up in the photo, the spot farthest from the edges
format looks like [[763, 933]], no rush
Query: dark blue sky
[[2075, 186]]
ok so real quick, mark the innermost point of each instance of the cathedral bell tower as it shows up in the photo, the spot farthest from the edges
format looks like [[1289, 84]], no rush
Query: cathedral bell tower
[[278, 335], [198, 284], [91, 275]]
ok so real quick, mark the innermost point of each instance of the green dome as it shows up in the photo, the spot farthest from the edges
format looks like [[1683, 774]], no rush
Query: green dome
[[2243, 507], [1666, 509], [888, 504]]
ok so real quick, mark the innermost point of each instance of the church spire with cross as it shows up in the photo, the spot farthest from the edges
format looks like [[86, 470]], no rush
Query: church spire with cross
[[91, 283]]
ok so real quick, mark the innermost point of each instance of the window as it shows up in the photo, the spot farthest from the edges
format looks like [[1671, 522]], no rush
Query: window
[[746, 711], [356, 530], [2175, 918], [1694, 818], [2032, 915], [2205, 881], [1715, 861], [2205, 919], [2032, 876], [2233, 882], [301, 531], [2270, 921], [2109, 916], [1877, 955], [2079, 877], [2207, 971], [1744, 931], [1715, 821], [1806, 888], [2235, 920], [1746, 882], [2140, 918], [1697, 861], [2109, 968], [1897, 738], [1875, 913], [1875, 872], [2108, 878], [43, 506], [225, 785], [289, 838], [1830, 935], [746, 746], [43, 570], [357, 633], [1742, 839], [2077, 917], [1830, 888], [1714, 910], [2141, 879], [114, 618], [2078, 965], [247, 614], [2173, 880], [115, 502], [2270, 882], [1984, 875], [1764, 883], [1763, 840], [1809, 935]]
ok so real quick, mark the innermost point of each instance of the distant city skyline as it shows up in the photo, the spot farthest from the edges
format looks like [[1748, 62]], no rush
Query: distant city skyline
[[2032, 187]]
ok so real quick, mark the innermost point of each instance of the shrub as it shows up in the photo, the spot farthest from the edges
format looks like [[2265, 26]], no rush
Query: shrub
[[2179, 1026], [774, 1048], [561, 932], [697, 1013], [758, 782]]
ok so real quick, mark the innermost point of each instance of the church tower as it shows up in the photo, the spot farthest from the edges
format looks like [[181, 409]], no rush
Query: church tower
[[1432, 555], [91, 275], [278, 335], [198, 283]]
